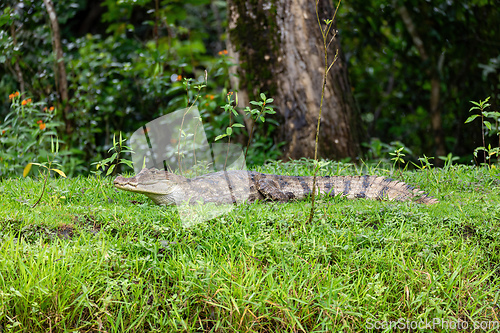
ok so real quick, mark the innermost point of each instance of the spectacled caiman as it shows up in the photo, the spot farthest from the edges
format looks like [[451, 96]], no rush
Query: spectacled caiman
[[226, 187]]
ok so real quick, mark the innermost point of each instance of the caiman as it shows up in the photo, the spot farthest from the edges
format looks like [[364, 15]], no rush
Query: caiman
[[233, 187]]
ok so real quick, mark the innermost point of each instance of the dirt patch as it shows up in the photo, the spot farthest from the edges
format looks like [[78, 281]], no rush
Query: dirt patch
[[65, 231], [34, 232], [468, 231], [88, 221]]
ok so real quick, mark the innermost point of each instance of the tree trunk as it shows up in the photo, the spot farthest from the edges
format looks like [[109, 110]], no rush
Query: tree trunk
[[278, 49], [61, 79], [17, 67]]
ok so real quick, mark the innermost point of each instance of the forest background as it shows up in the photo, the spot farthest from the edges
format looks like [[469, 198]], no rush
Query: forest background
[[125, 63]]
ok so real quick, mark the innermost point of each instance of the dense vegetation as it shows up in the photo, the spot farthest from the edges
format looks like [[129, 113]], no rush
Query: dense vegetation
[[392, 79], [127, 62]]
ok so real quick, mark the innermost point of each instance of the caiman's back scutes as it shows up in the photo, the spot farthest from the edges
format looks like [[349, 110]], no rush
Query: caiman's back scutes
[[379, 188], [370, 187], [226, 187]]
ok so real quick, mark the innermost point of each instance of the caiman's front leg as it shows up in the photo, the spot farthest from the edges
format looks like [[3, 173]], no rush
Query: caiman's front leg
[[270, 189]]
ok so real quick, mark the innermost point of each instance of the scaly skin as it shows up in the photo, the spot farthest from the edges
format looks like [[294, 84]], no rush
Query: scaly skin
[[226, 187]]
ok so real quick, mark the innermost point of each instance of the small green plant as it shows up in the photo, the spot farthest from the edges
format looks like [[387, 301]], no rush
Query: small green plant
[[326, 44], [482, 107], [492, 151], [25, 134], [189, 106], [229, 107], [258, 114], [114, 160], [194, 98], [119, 148], [425, 163], [398, 157], [255, 114], [378, 150], [54, 148], [448, 160], [426, 166], [260, 145], [191, 98]]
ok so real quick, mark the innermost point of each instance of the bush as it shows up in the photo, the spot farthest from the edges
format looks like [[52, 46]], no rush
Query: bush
[[25, 134]]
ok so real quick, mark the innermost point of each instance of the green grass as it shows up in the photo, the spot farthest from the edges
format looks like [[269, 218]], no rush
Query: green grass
[[80, 263]]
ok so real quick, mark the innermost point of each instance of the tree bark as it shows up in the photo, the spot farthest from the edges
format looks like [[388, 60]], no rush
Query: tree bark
[[61, 79], [277, 46], [17, 67]]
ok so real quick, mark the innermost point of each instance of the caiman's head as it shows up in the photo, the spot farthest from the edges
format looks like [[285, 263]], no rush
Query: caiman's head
[[158, 185]]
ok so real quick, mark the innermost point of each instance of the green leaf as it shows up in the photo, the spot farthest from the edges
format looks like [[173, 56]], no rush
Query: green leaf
[[269, 100], [262, 96], [471, 118], [218, 137], [107, 160], [110, 170], [238, 125], [493, 114], [487, 124], [229, 131], [127, 163]]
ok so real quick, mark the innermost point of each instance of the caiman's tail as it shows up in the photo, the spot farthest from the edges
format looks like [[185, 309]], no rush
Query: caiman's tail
[[374, 187]]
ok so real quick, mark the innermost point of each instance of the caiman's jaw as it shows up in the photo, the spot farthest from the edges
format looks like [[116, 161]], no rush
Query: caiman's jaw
[[156, 184], [152, 182], [131, 184]]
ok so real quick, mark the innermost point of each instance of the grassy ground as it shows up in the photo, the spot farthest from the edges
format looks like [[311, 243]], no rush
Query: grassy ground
[[79, 262]]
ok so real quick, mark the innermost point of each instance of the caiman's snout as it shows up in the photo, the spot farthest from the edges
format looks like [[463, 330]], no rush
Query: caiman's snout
[[119, 180], [122, 182]]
